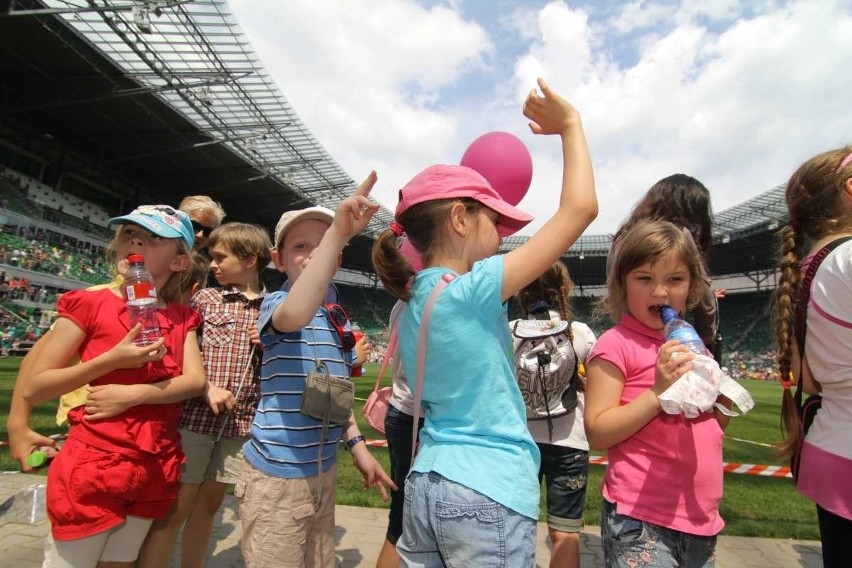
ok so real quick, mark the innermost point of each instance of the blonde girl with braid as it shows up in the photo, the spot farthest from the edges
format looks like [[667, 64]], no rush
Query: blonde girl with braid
[[819, 201]]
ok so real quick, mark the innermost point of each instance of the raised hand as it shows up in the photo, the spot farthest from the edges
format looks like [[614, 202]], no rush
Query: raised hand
[[354, 212], [549, 113]]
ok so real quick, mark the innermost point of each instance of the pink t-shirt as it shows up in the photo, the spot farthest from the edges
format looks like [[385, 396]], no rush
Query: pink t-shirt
[[670, 472]]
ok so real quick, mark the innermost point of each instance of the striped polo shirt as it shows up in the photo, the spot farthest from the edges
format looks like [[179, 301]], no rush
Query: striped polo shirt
[[284, 442]]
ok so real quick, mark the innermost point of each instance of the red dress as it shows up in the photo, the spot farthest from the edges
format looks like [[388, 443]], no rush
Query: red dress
[[128, 464]]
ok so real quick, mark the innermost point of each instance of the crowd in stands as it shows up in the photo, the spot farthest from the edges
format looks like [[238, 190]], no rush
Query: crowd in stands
[[35, 251]]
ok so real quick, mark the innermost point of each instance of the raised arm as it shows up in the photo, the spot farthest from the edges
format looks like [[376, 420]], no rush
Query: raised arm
[[309, 290], [578, 204]]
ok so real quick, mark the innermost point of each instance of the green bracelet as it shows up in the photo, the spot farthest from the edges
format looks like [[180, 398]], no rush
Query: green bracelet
[[350, 443]]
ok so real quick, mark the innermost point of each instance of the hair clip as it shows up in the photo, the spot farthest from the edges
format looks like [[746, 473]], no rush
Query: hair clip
[[397, 229]]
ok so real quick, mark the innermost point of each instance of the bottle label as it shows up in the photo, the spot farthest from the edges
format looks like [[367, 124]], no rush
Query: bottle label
[[141, 291], [684, 335]]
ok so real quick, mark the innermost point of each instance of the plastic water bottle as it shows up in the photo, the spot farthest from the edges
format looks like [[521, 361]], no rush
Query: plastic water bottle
[[677, 328], [141, 296]]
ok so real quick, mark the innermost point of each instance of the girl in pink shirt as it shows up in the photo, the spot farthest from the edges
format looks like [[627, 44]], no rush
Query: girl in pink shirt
[[663, 484]]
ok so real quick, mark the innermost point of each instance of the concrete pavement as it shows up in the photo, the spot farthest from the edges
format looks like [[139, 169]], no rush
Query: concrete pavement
[[359, 535]]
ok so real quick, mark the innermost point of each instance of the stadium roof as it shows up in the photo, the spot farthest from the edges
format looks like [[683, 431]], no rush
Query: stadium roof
[[156, 100]]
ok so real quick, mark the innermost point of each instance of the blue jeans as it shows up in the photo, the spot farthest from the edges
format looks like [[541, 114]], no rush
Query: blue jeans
[[631, 543], [447, 524], [398, 427], [565, 471]]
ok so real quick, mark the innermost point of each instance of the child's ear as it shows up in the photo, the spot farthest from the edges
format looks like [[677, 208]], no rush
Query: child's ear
[[252, 260], [276, 260], [458, 219], [180, 263]]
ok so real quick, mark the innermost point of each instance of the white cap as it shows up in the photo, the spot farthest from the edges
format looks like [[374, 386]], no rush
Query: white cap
[[290, 218]]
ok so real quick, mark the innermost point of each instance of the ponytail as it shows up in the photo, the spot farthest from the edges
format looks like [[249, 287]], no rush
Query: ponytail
[[392, 267]]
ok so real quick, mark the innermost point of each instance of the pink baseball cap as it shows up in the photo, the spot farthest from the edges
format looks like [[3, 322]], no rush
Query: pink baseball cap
[[451, 182]]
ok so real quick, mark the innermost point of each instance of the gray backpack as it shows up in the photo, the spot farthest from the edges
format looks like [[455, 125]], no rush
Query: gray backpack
[[545, 368]]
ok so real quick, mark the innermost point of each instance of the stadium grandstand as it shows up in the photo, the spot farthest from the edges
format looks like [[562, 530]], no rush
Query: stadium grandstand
[[106, 104]]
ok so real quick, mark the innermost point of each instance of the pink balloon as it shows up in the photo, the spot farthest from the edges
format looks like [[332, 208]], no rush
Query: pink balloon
[[504, 161]]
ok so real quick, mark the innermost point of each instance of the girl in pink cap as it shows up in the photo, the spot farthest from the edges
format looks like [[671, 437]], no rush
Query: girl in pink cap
[[472, 496]]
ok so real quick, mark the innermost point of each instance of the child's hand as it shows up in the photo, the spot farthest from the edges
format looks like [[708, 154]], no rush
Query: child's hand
[[106, 401], [362, 350], [673, 361], [254, 335], [371, 471], [550, 113], [219, 399], [354, 212], [126, 355], [23, 441]]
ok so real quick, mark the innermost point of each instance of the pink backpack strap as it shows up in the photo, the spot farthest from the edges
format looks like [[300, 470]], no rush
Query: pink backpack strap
[[421, 356], [389, 353]]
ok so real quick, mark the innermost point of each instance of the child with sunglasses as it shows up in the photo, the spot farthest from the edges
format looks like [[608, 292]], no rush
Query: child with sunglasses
[[205, 216], [287, 489]]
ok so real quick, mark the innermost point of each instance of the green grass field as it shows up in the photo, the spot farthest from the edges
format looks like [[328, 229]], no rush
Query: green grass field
[[752, 506]]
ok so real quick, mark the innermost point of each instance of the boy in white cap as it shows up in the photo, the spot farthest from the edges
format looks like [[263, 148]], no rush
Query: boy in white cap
[[291, 456]]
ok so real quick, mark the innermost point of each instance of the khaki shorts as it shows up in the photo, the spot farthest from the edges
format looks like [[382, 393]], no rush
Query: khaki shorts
[[209, 460], [282, 525]]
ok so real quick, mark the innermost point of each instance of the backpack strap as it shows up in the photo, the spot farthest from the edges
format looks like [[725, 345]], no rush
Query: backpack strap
[[803, 297], [421, 357], [389, 354]]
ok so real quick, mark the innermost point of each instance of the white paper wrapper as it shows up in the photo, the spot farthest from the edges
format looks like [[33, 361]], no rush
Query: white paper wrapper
[[696, 391]]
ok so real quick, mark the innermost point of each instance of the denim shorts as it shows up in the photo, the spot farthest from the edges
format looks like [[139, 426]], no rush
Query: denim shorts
[[629, 542], [447, 524], [565, 471], [398, 433]]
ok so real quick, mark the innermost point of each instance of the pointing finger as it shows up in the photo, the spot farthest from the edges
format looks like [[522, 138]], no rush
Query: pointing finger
[[367, 185]]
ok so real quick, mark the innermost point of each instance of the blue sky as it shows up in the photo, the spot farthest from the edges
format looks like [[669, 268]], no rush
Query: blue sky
[[734, 93]]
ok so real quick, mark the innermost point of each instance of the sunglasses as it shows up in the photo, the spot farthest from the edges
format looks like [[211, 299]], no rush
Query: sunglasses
[[196, 226], [339, 319]]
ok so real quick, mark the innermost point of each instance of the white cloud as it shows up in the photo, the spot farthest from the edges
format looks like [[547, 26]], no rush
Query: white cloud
[[641, 14], [736, 94], [364, 76]]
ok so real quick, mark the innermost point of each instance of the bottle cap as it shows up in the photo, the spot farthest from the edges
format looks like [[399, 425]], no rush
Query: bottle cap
[[36, 459], [668, 313], [134, 258]]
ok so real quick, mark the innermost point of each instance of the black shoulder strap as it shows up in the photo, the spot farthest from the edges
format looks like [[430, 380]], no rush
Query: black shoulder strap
[[803, 297]]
